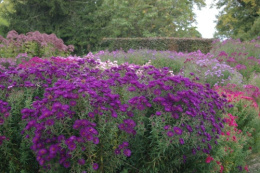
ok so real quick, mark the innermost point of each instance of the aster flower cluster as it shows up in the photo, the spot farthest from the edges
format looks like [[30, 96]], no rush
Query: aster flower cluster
[[124, 146], [128, 126], [83, 110]]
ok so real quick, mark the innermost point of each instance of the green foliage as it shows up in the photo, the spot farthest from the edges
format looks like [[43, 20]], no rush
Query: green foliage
[[149, 18], [16, 154], [5, 7], [238, 19], [84, 23]]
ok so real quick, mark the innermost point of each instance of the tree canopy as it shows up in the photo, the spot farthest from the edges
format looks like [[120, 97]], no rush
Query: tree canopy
[[84, 23], [146, 18], [5, 7], [238, 19]]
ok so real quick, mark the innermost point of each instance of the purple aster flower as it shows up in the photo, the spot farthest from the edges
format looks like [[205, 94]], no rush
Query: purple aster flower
[[45, 113], [76, 125], [157, 92], [66, 164], [131, 89], [189, 128], [49, 122], [130, 114], [2, 121], [81, 161], [56, 105], [121, 126], [96, 140], [202, 128], [140, 107], [125, 144], [95, 166], [179, 108], [121, 146], [72, 146], [158, 113], [170, 133], [130, 122], [41, 162], [83, 132], [127, 152], [91, 114], [181, 141], [166, 127], [91, 130], [60, 115], [117, 151], [114, 114], [148, 104], [42, 152], [7, 114], [209, 147], [72, 138], [177, 130], [175, 115], [89, 137], [73, 103], [65, 107], [53, 149]]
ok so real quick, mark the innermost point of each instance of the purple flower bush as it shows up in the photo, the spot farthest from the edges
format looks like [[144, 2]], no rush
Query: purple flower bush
[[34, 44], [76, 117]]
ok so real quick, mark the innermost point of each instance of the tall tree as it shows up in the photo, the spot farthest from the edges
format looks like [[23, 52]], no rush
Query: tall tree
[[145, 18], [238, 19]]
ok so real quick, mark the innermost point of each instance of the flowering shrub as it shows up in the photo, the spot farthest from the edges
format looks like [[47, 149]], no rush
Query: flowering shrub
[[212, 72], [247, 111], [76, 117], [34, 44]]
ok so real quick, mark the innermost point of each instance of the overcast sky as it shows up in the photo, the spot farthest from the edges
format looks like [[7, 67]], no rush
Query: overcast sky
[[205, 19]]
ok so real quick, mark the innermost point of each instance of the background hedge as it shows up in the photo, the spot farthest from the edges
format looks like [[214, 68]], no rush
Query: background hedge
[[158, 43]]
